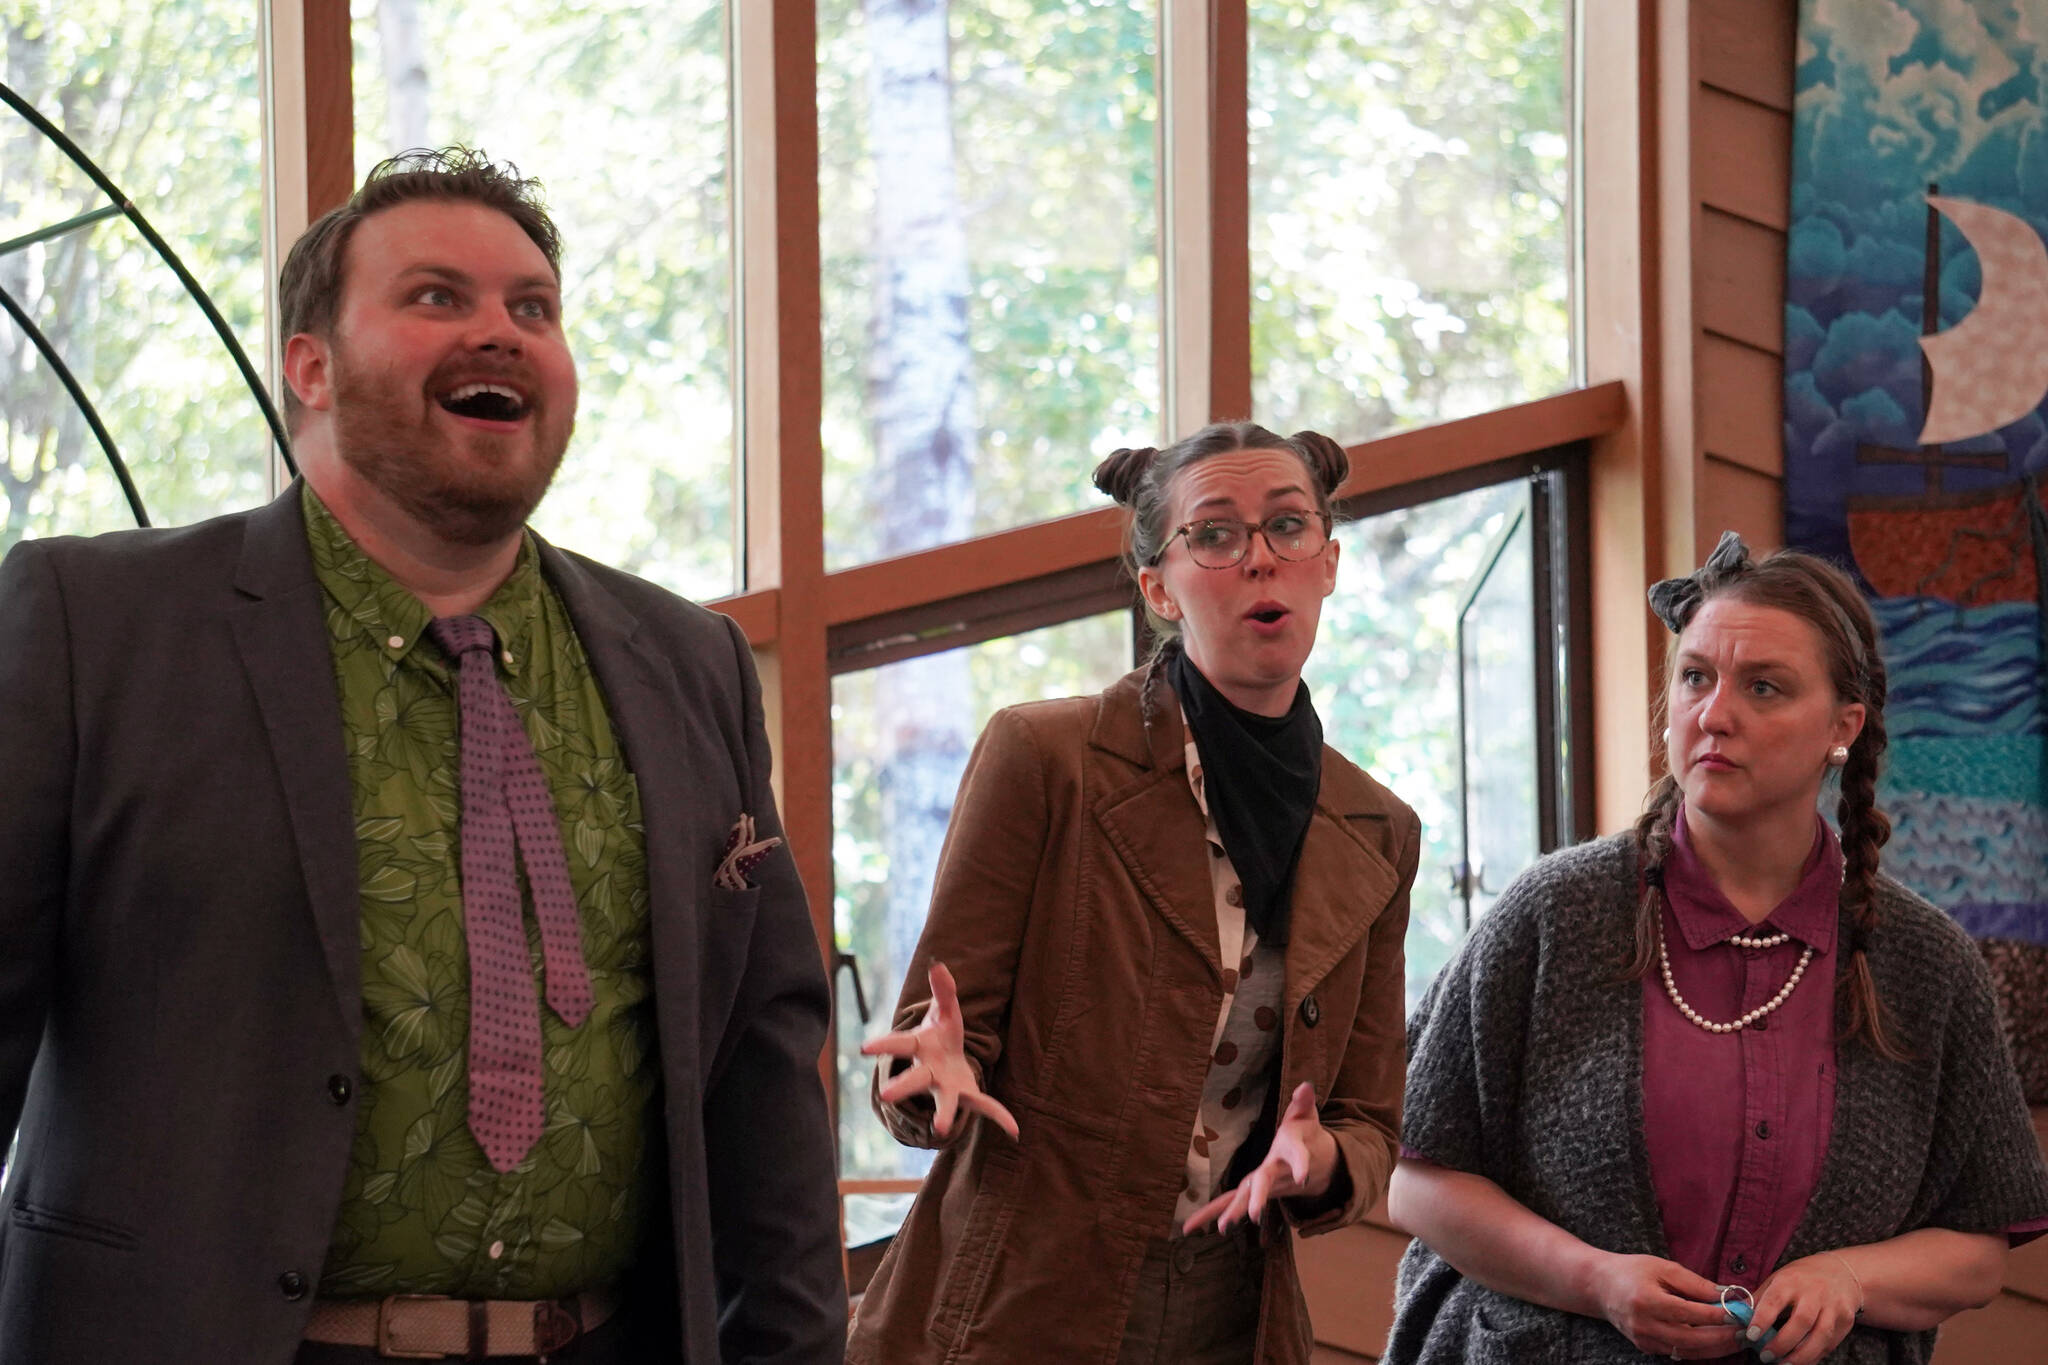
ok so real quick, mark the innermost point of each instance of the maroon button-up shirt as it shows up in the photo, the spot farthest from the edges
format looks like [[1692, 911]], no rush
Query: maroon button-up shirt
[[1737, 1124]]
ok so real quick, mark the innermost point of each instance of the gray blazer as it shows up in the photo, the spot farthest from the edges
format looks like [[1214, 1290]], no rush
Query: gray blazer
[[179, 994]]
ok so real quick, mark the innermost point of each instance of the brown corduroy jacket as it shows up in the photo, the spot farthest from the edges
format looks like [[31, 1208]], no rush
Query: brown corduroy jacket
[[1073, 905]]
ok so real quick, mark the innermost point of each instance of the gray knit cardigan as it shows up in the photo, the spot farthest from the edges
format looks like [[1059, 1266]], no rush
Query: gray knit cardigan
[[1525, 1066]]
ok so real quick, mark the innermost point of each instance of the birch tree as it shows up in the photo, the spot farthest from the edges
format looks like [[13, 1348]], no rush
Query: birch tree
[[922, 406]]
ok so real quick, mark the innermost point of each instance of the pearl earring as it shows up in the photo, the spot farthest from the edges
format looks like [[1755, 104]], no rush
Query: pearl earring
[[1667, 734], [1838, 757]]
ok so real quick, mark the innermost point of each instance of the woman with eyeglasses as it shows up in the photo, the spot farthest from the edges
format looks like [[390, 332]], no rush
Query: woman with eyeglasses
[[1156, 1012], [1716, 1088]]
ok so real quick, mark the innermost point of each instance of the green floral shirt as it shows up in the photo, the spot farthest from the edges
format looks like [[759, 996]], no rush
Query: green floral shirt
[[423, 1212]]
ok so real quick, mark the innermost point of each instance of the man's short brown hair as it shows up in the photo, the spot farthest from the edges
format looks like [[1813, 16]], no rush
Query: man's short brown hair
[[309, 286]]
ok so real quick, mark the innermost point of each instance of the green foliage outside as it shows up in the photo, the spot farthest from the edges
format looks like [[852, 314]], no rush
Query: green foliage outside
[[1410, 209], [163, 96], [1055, 117], [620, 109], [1384, 676]]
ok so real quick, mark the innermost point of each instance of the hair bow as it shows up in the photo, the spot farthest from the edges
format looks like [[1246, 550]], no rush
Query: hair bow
[[1676, 599]]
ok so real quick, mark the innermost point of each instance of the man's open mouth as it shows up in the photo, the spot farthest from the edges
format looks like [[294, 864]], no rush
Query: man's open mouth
[[1269, 616], [485, 402]]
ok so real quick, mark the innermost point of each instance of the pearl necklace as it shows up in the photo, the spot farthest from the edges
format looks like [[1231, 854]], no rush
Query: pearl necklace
[[1784, 993], [1771, 942]]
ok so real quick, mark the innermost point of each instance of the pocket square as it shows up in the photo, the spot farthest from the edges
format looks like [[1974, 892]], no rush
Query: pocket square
[[743, 853]]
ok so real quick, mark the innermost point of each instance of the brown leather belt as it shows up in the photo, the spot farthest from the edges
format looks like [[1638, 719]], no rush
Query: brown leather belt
[[434, 1327]]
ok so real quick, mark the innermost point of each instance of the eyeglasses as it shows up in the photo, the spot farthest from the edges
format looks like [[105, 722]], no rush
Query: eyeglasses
[[1220, 543]]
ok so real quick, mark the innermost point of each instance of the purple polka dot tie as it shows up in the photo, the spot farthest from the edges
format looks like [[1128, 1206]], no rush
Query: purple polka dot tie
[[505, 797]]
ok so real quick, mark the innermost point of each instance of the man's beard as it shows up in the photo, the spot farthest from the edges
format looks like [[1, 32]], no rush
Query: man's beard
[[469, 498]]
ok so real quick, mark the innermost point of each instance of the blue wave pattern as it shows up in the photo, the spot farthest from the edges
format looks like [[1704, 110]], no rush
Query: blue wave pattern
[[1961, 673], [1956, 849]]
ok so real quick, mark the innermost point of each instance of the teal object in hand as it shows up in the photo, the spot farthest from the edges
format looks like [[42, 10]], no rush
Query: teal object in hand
[[1743, 1310]]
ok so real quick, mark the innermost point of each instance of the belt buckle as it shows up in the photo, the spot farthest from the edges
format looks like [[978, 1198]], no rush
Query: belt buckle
[[389, 1331], [555, 1325]]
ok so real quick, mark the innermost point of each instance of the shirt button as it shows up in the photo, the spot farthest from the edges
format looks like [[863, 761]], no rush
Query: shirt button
[[396, 642], [1762, 1026], [1763, 1129], [1739, 1264], [497, 1250], [292, 1285], [339, 1088]]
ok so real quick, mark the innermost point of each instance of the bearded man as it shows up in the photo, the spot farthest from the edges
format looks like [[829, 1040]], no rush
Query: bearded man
[[401, 959]]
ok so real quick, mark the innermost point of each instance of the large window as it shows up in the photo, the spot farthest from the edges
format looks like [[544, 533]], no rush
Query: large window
[[163, 97], [620, 108], [943, 264], [1428, 674], [988, 180], [1410, 209]]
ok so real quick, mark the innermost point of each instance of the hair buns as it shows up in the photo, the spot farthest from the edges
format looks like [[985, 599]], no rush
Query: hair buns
[[1325, 458], [1123, 472]]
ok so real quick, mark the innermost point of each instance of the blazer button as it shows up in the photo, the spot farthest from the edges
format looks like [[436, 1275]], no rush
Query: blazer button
[[292, 1284], [1311, 1012], [339, 1088]]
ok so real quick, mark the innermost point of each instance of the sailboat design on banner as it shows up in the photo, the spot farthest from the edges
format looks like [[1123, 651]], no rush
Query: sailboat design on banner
[[1989, 370]]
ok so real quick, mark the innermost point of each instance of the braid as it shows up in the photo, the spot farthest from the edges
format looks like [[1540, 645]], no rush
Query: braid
[[1865, 828], [1155, 672], [1653, 846]]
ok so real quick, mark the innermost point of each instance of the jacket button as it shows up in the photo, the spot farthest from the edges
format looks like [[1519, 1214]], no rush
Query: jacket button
[[339, 1088], [292, 1285], [1311, 1012]]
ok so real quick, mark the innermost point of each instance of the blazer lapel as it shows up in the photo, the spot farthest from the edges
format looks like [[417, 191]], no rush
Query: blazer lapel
[[1340, 887], [281, 634], [1154, 824], [641, 692]]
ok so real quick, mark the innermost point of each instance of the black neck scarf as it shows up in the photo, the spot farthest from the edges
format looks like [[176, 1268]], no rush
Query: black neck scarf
[[1261, 775]]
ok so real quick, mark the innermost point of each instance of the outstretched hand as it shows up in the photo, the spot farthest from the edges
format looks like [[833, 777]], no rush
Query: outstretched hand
[[937, 1053], [1301, 1163]]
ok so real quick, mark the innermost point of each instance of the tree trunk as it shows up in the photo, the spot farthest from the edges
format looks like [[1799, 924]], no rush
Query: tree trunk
[[922, 411], [405, 73]]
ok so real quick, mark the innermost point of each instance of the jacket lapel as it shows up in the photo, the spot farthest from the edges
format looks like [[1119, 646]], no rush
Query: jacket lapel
[[1340, 886], [280, 631], [1153, 823], [647, 713]]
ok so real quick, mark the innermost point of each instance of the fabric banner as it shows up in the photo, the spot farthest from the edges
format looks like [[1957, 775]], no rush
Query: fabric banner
[[1916, 365]]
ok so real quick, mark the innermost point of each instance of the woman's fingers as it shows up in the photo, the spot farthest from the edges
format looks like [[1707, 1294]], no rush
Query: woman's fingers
[[1685, 1313], [1209, 1213], [945, 994], [1686, 1284], [1793, 1333], [890, 1045], [949, 1108], [1301, 1104], [914, 1080], [992, 1110]]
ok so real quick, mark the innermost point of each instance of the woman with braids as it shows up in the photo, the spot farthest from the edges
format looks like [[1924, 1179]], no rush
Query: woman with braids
[[1156, 1012], [1722, 1056]]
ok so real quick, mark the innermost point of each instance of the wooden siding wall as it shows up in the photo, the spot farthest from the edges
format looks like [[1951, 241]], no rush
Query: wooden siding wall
[[1737, 164], [1741, 155]]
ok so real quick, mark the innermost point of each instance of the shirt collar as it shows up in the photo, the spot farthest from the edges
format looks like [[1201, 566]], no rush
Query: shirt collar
[[394, 620], [1811, 914]]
